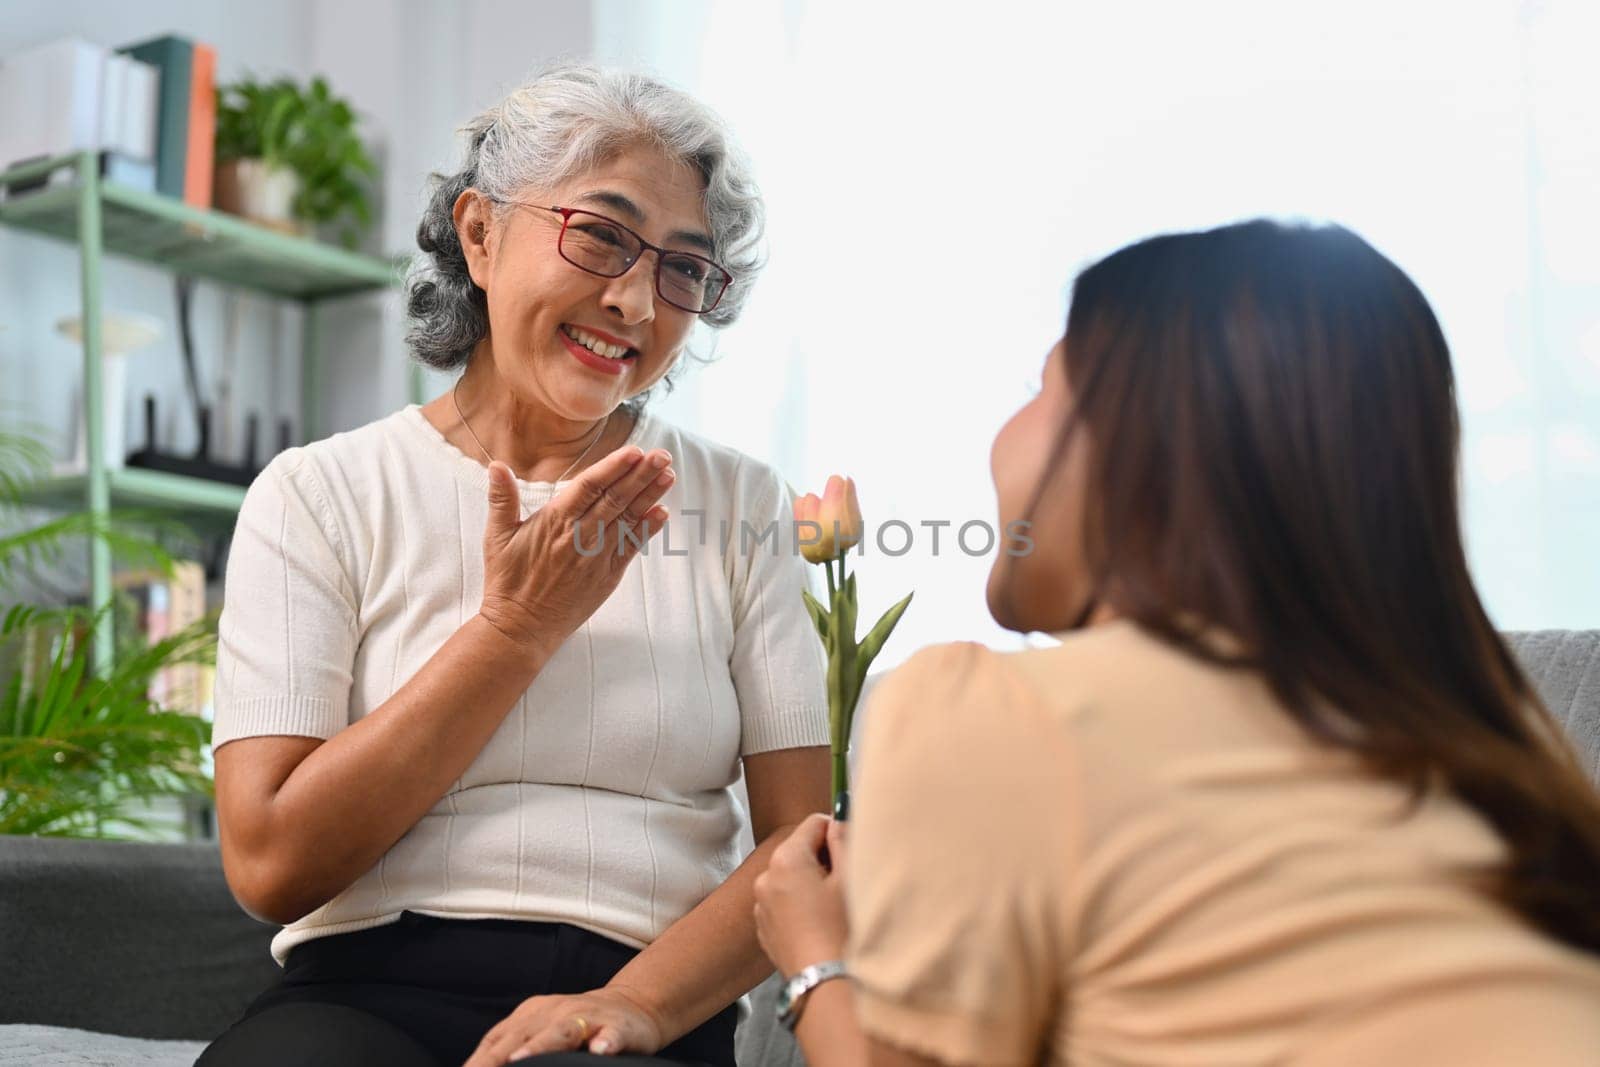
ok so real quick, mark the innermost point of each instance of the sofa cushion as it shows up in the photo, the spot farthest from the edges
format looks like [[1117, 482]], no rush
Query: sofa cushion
[[60, 1046], [125, 938], [761, 1042]]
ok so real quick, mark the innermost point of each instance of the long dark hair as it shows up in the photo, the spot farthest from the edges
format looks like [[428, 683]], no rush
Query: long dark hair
[[1273, 440]]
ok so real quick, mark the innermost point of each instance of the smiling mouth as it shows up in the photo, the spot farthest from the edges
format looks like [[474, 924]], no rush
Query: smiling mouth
[[603, 349]]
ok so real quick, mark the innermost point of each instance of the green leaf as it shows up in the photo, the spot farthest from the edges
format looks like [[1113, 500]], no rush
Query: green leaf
[[130, 534], [273, 134], [844, 610], [80, 750], [23, 460], [819, 619], [872, 644]]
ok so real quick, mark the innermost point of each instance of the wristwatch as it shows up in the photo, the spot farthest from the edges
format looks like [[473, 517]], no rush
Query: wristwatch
[[792, 997]]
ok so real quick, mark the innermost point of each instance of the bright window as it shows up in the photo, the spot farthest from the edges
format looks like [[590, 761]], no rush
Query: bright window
[[936, 177]]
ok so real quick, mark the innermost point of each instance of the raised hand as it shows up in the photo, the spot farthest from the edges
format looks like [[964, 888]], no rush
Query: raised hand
[[540, 581]]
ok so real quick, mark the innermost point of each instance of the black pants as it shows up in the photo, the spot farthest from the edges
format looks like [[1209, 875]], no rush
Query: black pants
[[422, 992]]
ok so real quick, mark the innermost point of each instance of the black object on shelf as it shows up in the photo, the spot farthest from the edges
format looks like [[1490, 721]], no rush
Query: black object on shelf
[[250, 441], [200, 465], [202, 422]]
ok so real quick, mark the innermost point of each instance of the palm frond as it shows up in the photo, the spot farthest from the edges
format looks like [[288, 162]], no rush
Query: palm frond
[[132, 535], [78, 749], [23, 460]]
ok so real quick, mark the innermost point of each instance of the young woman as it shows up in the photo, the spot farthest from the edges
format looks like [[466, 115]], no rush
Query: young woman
[[1281, 795]]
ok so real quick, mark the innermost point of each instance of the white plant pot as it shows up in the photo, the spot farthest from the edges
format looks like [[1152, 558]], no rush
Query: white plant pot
[[259, 191]]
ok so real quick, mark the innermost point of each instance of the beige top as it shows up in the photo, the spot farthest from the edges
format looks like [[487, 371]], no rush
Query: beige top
[[1111, 853]]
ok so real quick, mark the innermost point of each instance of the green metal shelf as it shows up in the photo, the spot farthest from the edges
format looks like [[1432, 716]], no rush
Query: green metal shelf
[[101, 218], [135, 488], [205, 244]]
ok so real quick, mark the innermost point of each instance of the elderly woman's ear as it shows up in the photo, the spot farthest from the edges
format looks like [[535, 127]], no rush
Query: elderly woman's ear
[[472, 217]]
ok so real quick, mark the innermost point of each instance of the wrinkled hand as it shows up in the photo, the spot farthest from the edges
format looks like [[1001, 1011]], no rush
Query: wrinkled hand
[[538, 587], [604, 1021], [800, 915]]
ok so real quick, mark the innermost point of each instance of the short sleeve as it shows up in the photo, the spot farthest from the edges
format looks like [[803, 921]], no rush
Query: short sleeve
[[779, 669], [287, 636], [960, 839]]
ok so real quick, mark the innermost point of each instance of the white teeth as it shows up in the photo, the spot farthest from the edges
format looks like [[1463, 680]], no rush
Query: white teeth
[[594, 344]]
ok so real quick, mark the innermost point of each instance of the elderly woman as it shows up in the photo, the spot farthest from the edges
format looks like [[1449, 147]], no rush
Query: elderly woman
[[478, 726], [1281, 794]]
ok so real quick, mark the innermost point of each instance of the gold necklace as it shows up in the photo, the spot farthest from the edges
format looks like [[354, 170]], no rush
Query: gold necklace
[[456, 401]]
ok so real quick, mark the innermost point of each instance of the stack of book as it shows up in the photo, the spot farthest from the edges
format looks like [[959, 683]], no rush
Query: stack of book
[[187, 124], [149, 109]]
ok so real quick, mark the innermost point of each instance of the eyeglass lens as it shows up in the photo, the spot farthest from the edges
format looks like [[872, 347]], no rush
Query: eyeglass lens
[[606, 248]]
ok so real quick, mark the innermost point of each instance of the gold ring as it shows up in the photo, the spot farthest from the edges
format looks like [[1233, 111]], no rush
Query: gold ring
[[583, 1027]]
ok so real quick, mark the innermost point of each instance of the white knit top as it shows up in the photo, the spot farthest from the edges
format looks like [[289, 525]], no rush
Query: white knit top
[[605, 798]]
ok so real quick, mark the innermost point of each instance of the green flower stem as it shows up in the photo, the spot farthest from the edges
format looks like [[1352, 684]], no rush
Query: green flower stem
[[842, 690], [848, 660]]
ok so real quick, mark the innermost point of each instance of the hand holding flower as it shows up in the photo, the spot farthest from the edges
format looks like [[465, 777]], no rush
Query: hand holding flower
[[800, 917]]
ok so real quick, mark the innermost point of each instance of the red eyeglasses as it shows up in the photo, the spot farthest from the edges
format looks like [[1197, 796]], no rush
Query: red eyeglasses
[[606, 247]]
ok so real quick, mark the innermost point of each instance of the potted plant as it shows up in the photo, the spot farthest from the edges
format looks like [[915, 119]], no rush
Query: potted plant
[[79, 752], [288, 157]]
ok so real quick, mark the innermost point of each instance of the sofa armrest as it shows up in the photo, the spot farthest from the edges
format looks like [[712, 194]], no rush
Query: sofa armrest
[[1564, 666]]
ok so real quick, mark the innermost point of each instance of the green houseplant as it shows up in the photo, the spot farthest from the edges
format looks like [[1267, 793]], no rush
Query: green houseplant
[[290, 157], [79, 751]]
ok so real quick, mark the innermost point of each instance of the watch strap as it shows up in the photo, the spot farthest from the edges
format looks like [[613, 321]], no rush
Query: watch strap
[[793, 996]]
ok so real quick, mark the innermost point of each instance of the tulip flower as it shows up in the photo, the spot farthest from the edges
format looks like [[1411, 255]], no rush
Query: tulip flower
[[831, 524], [837, 514]]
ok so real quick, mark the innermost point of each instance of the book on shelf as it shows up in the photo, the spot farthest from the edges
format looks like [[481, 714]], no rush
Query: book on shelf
[[162, 605], [186, 124], [69, 96], [128, 108], [200, 162]]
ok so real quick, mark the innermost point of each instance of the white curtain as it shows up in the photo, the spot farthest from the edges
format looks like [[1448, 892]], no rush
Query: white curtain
[[935, 176]]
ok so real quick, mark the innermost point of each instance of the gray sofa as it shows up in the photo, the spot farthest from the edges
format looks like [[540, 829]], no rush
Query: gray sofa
[[120, 954]]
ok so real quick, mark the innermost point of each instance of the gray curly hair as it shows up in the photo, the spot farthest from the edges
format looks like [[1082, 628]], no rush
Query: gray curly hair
[[564, 121]]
